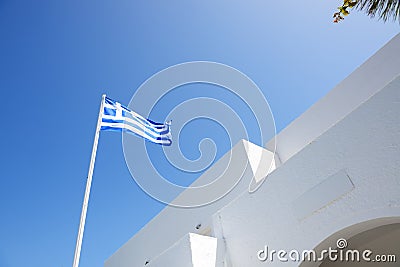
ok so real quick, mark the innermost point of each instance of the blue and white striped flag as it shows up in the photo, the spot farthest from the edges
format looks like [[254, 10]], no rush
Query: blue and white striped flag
[[117, 117]]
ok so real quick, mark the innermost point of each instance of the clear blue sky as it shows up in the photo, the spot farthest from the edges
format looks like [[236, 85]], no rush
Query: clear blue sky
[[58, 57]]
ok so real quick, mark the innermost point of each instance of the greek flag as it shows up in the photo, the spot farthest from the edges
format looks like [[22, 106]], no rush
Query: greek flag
[[117, 117]]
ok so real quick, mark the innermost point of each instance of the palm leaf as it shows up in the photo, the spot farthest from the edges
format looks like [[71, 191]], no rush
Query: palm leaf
[[384, 9]]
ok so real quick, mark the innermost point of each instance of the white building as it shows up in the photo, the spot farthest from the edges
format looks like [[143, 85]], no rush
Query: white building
[[336, 174]]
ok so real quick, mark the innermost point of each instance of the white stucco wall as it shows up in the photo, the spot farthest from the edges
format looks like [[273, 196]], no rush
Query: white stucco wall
[[364, 146]]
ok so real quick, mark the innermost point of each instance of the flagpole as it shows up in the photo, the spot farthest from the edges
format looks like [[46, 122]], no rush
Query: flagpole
[[88, 186]]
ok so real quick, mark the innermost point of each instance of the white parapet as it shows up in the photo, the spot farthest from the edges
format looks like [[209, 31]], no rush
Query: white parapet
[[192, 250], [373, 75]]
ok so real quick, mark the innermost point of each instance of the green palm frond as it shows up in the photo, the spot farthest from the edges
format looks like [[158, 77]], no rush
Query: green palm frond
[[384, 9]]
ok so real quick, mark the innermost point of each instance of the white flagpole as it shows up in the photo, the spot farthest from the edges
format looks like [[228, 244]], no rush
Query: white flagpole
[[88, 185]]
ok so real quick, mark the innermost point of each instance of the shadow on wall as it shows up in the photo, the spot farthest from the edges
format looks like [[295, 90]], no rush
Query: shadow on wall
[[380, 236]]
